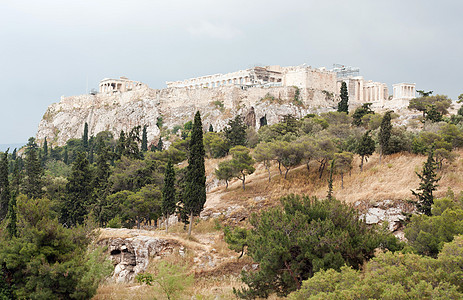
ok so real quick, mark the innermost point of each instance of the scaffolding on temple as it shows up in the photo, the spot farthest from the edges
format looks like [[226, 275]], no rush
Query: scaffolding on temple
[[345, 72]]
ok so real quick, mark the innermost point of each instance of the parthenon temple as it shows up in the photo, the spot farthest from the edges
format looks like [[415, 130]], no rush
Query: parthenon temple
[[123, 84], [300, 76]]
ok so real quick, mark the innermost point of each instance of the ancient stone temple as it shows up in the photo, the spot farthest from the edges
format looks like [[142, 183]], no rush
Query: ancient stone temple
[[403, 91], [269, 76], [123, 84]]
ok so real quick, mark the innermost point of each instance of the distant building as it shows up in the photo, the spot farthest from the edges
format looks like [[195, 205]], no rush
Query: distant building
[[123, 84], [403, 91]]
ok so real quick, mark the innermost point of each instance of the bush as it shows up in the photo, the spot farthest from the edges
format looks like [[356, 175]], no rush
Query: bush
[[307, 235], [393, 276]]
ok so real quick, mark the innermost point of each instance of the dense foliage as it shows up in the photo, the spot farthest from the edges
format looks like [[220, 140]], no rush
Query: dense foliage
[[292, 243]]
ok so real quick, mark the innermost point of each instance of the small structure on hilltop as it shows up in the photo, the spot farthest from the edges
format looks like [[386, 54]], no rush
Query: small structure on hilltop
[[123, 84]]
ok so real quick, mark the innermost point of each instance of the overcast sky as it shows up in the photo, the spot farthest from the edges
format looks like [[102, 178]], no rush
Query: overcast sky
[[51, 48]]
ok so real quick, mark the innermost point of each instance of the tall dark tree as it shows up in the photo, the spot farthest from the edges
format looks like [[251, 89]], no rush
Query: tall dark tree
[[79, 192], [45, 149], [11, 216], [235, 132], [195, 189], [120, 145], [343, 105], [330, 182], [16, 179], [365, 147], [428, 184], [144, 140], [66, 155], [169, 202], [358, 114], [211, 128], [32, 185], [100, 180], [85, 137], [385, 134], [4, 185]]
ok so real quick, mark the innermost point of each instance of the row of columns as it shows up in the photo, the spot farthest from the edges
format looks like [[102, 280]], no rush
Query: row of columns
[[374, 93]]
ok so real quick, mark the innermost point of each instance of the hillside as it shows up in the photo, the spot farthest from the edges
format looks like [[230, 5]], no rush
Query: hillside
[[217, 269]]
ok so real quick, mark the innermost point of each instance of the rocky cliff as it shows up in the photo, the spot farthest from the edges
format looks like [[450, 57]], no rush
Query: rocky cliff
[[123, 111]]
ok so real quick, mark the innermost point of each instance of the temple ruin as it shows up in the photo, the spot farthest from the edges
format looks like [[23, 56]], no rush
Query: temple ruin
[[403, 91], [123, 84], [269, 76]]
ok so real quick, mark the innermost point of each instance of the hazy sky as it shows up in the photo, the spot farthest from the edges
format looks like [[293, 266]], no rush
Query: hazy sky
[[51, 48]]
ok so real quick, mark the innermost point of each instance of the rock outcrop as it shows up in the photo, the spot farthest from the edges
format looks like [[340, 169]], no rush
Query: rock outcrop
[[131, 255], [125, 110]]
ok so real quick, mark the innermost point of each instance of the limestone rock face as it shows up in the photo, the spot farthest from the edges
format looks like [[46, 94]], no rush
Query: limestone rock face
[[123, 111], [131, 255]]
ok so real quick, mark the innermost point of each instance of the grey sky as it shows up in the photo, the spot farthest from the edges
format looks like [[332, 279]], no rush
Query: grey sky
[[50, 48]]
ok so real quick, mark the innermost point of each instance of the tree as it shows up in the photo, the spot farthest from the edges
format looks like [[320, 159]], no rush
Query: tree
[[343, 105], [288, 154], [392, 276], [5, 196], [211, 128], [215, 144], [100, 180], [330, 182], [195, 190], [432, 114], [424, 94], [235, 132], [144, 140], [365, 147], [48, 261], [441, 102], [169, 202], [225, 171], [33, 180], [242, 163], [428, 234], [360, 112], [78, 192], [85, 137], [121, 142], [385, 134], [265, 154], [343, 164], [428, 184], [45, 149], [286, 242]]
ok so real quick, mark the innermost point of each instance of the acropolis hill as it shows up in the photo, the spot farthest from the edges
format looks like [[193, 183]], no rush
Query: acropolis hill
[[256, 93]]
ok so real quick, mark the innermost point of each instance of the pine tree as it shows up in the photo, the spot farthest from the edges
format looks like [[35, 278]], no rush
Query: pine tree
[[4, 185], [365, 147], [195, 194], [33, 180], [169, 203], [343, 105], [385, 134], [428, 184], [85, 137], [144, 140]]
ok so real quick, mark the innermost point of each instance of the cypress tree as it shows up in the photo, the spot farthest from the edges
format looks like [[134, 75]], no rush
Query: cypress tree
[[66, 155], [385, 134], [211, 129], [120, 146], [343, 105], [4, 185], [144, 140], [85, 137], [428, 184], [16, 178], [11, 227], [33, 180], [330, 182], [45, 149], [195, 194], [160, 145], [168, 204], [79, 192]]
